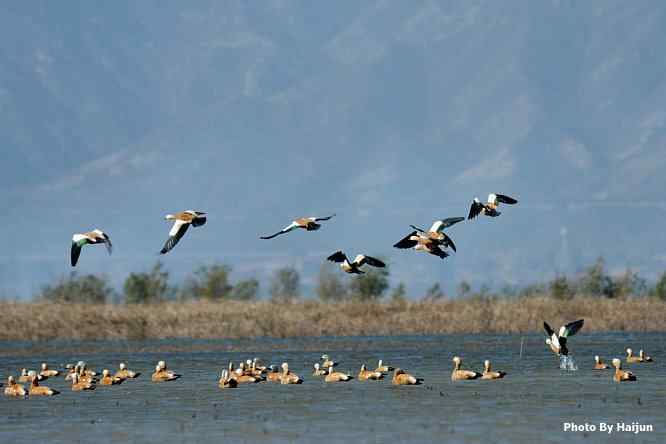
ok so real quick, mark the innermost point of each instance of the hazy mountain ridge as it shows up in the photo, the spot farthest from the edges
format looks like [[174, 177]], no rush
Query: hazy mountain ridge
[[388, 114]]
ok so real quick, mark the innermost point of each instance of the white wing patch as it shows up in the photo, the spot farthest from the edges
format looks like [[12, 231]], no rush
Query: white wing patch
[[290, 227], [492, 198], [436, 226], [358, 258], [176, 227], [78, 237]]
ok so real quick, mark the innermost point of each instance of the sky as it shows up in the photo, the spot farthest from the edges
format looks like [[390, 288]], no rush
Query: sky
[[386, 113]]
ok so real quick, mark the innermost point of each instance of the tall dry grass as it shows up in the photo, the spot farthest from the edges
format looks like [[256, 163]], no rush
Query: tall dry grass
[[231, 319]]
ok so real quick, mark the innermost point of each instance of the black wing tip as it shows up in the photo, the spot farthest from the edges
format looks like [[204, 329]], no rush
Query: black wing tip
[[503, 198], [271, 236], [405, 242], [199, 221], [338, 256], [374, 262], [452, 220], [74, 254]]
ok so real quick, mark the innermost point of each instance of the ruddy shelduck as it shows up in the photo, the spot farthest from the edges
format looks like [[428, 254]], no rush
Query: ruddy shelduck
[[436, 231], [334, 376], [306, 223], [621, 375], [39, 390], [107, 379], [421, 243], [354, 267], [488, 372], [46, 372], [599, 364], [631, 358], [14, 389], [431, 240], [183, 220], [79, 384], [557, 341], [489, 208], [161, 373], [124, 373], [83, 372], [288, 377], [402, 378], [94, 237], [461, 375], [365, 374]]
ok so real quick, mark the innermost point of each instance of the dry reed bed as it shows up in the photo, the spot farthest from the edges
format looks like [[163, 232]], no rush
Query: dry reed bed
[[230, 319]]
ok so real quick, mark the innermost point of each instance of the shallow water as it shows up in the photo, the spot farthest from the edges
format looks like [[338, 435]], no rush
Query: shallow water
[[529, 405]]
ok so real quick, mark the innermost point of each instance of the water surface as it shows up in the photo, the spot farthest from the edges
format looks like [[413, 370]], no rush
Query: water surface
[[529, 405]]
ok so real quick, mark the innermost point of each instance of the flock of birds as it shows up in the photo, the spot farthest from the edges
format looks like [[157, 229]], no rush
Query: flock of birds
[[557, 341], [433, 241], [248, 372], [252, 371]]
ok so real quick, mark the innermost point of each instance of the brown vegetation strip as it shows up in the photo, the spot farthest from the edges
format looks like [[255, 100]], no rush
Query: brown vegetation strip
[[231, 319]]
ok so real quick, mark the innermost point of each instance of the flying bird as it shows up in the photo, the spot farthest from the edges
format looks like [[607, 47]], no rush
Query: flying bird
[[354, 266], [307, 223], [436, 231], [90, 238], [431, 240], [558, 341], [183, 220], [421, 243], [489, 208]]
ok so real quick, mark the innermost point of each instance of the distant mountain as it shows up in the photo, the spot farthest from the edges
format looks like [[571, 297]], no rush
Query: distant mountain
[[387, 113]]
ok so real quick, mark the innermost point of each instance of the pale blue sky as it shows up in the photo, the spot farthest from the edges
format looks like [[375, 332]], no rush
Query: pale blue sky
[[387, 113]]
